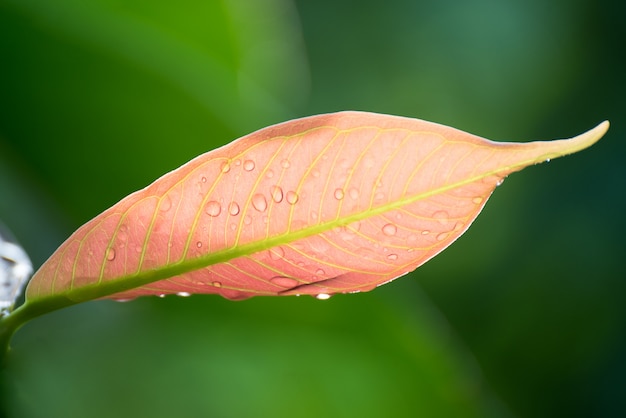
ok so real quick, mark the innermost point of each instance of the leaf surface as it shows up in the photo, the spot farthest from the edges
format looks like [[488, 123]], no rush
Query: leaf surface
[[327, 204]]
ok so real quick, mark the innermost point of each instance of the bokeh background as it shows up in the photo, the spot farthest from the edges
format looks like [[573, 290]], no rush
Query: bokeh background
[[524, 316]]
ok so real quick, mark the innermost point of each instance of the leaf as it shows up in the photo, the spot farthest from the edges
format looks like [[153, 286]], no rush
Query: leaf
[[327, 204]]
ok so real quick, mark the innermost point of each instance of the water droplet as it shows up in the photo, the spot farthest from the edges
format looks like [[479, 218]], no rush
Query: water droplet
[[124, 300], [442, 216], [276, 253], [315, 173], [313, 215], [237, 163], [248, 165], [322, 296], [411, 239], [425, 232], [285, 163], [247, 220], [442, 236], [282, 281], [292, 197], [458, 226], [199, 244], [233, 208], [183, 294], [269, 174], [320, 272], [233, 226], [111, 254], [379, 196], [390, 229], [277, 194], [354, 193], [203, 179], [217, 284], [213, 208], [259, 202], [339, 194], [166, 204], [225, 167], [392, 257], [162, 295], [499, 182], [477, 200]]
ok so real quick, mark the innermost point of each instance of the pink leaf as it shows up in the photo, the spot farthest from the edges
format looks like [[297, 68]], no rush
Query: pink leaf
[[326, 204]]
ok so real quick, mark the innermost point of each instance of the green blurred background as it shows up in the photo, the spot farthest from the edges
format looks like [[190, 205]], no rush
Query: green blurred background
[[523, 317]]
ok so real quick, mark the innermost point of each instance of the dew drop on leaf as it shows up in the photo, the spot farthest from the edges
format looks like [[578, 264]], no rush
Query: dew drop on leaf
[[442, 236], [283, 281], [166, 204], [259, 202], [111, 254], [285, 163], [392, 257], [225, 167], [213, 208], [292, 197], [390, 230], [277, 194], [199, 244], [441, 216], [217, 284], [276, 253], [354, 193], [477, 200], [233, 209], [248, 165], [183, 294], [339, 194], [322, 296]]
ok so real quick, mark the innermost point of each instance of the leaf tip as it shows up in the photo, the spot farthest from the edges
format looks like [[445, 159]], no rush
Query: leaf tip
[[592, 136]]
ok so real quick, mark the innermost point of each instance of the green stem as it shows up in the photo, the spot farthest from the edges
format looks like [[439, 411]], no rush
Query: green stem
[[10, 323]]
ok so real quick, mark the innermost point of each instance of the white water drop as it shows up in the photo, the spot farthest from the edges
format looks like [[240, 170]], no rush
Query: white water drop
[[286, 282], [248, 165], [322, 296], [277, 194], [259, 202], [292, 197], [233, 209], [390, 230], [213, 208]]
